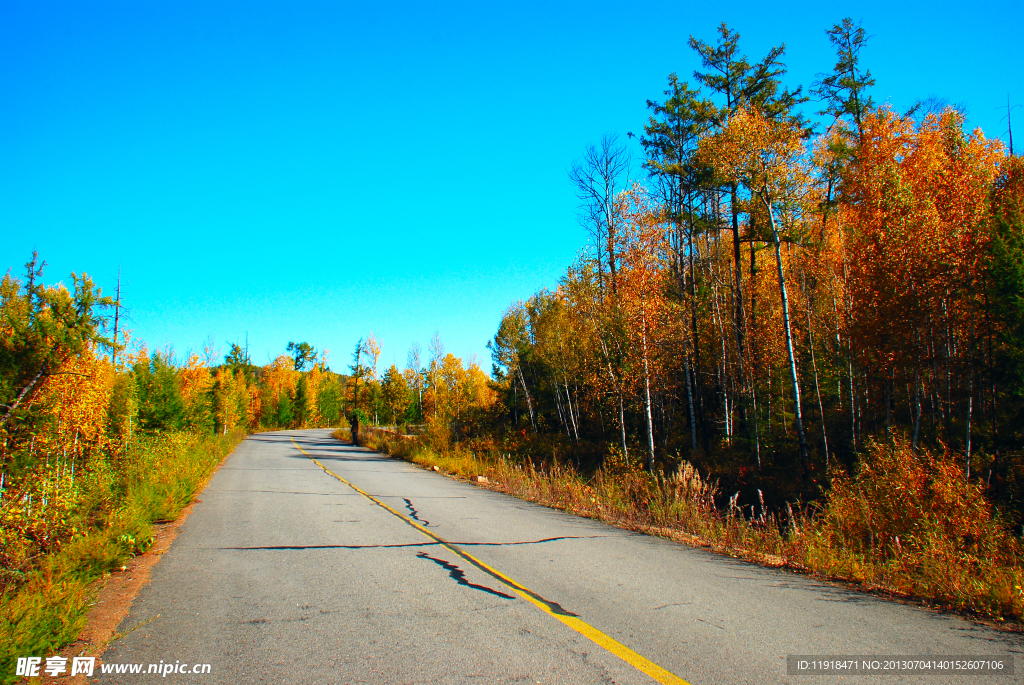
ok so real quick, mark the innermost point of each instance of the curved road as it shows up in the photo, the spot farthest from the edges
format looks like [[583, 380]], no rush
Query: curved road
[[309, 561]]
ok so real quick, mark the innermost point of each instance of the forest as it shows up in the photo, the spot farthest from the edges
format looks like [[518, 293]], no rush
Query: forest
[[796, 302], [773, 297]]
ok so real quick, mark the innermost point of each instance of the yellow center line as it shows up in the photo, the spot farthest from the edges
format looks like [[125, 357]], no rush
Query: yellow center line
[[635, 660]]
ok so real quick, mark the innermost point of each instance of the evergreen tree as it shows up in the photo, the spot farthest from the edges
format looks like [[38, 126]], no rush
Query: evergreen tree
[[331, 399], [285, 414], [237, 358], [301, 410], [303, 353], [1006, 283], [744, 85], [670, 141], [160, 405], [844, 91]]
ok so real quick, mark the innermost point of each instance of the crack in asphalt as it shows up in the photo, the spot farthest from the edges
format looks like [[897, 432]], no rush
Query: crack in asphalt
[[417, 544], [459, 576], [413, 512]]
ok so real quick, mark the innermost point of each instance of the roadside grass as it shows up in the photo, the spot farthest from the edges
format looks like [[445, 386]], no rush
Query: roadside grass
[[92, 528], [906, 523]]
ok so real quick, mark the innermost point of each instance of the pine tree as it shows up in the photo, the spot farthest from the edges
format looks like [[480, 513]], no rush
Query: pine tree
[[844, 91]]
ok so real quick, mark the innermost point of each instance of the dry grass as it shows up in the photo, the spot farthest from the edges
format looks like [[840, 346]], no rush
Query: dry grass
[[906, 524]]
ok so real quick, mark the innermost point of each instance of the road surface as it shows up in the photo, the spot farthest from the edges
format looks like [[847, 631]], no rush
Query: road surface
[[310, 561]]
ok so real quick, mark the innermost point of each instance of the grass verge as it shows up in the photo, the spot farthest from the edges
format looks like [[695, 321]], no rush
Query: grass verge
[[906, 523], [117, 501]]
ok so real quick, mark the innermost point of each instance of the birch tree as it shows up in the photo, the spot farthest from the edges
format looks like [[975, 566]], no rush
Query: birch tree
[[769, 159]]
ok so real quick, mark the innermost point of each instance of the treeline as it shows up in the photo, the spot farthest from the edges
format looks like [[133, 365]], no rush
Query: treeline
[[774, 296], [289, 392], [296, 390], [452, 397]]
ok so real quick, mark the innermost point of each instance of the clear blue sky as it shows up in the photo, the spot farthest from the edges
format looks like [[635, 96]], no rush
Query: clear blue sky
[[318, 171]]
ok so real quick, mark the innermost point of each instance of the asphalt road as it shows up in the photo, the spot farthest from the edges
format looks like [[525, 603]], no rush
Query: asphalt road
[[286, 574]]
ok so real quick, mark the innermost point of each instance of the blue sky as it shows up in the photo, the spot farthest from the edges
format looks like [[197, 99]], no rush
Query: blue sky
[[318, 171]]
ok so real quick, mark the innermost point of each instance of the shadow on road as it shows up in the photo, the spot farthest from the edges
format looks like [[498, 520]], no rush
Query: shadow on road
[[322, 447]]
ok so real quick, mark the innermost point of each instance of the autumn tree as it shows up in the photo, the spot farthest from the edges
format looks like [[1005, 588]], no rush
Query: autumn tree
[[600, 321], [919, 197], [277, 392], [643, 292], [508, 348], [767, 156], [395, 394], [554, 357], [371, 348], [231, 399], [196, 382], [744, 86]]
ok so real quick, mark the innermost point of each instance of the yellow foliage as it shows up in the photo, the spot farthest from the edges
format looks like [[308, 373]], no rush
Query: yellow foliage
[[77, 397], [232, 398], [314, 379], [195, 379], [280, 376]]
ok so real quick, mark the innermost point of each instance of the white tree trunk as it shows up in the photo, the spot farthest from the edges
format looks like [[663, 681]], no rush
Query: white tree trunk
[[647, 401], [797, 414]]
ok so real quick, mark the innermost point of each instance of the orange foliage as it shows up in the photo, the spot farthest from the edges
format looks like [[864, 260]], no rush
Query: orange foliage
[[917, 200]]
